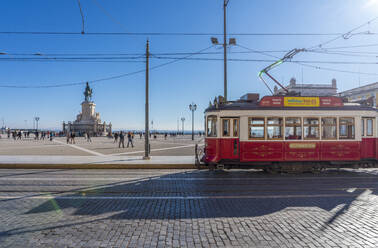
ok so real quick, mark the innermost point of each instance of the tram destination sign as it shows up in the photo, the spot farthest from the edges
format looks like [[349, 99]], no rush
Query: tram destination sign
[[300, 101]]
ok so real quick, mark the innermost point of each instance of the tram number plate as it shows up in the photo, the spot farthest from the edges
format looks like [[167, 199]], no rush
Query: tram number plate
[[302, 145]]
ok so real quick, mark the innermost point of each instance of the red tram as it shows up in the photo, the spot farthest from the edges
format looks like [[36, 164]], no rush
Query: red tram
[[290, 133]]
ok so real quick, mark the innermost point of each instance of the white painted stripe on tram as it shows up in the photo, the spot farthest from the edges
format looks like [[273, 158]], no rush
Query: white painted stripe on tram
[[80, 148], [83, 197], [157, 178]]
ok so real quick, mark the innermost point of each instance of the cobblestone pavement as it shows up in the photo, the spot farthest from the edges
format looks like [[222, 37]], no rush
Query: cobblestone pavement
[[187, 208]]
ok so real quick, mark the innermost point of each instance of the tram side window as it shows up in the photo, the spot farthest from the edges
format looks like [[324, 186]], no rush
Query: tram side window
[[212, 126], [293, 128], [256, 128], [226, 127], [236, 127], [311, 128], [362, 127], [346, 128], [369, 127], [274, 128], [329, 128]]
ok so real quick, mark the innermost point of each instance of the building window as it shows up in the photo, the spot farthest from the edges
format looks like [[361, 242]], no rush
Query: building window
[[274, 128], [329, 128], [369, 127], [226, 127], [236, 127], [346, 128], [293, 128], [211, 126], [256, 128]]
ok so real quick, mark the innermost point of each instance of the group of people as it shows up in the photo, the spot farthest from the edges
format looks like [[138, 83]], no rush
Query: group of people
[[121, 137], [18, 134], [70, 137]]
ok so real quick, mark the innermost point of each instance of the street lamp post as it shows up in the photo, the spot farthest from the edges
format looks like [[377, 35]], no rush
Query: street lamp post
[[178, 125], [183, 120], [193, 108], [36, 120], [232, 41], [147, 131]]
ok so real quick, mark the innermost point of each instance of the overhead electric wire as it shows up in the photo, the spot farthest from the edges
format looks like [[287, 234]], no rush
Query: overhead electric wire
[[338, 70], [137, 59], [293, 61], [101, 79], [170, 33], [134, 54], [71, 61], [109, 15], [347, 54], [317, 67], [346, 35]]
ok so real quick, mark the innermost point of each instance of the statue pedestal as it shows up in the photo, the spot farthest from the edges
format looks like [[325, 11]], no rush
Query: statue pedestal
[[88, 111]]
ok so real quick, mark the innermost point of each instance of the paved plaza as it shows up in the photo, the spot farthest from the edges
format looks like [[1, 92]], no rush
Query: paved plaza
[[101, 152], [188, 208], [100, 146]]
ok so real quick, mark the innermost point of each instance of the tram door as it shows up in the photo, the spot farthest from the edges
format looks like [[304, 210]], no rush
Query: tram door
[[230, 138]]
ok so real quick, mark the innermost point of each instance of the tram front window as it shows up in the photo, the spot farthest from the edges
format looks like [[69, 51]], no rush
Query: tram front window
[[293, 128], [212, 126], [226, 127]]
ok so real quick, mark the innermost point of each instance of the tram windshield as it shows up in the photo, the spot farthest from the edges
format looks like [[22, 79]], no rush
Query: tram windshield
[[212, 126]]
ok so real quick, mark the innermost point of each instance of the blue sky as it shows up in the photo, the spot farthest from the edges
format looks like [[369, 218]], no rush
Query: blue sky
[[175, 86]]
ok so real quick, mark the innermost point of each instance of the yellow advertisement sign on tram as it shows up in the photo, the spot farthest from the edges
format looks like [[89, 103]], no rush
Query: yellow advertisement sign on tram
[[295, 101]]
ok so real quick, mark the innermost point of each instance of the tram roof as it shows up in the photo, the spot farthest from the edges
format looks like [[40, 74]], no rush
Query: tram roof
[[284, 103]]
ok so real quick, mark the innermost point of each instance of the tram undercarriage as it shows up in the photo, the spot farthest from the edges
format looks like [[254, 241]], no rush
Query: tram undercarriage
[[290, 167]]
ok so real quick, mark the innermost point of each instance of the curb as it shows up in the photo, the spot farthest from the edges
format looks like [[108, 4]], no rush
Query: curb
[[99, 166]]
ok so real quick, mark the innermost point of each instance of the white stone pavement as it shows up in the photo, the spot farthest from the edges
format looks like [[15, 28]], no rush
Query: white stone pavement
[[134, 160]]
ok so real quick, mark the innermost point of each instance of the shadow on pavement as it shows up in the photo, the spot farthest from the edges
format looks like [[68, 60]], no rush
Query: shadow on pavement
[[203, 194]]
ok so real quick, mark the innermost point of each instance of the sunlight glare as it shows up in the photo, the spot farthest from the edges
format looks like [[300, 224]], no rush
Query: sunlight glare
[[371, 4]]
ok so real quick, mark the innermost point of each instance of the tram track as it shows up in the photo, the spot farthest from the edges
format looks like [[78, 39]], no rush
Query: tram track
[[104, 191]]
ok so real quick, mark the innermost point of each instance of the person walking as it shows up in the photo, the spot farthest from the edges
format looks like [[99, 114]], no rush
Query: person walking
[[89, 138], [115, 137], [121, 140], [130, 139], [73, 138], [68, 136]]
